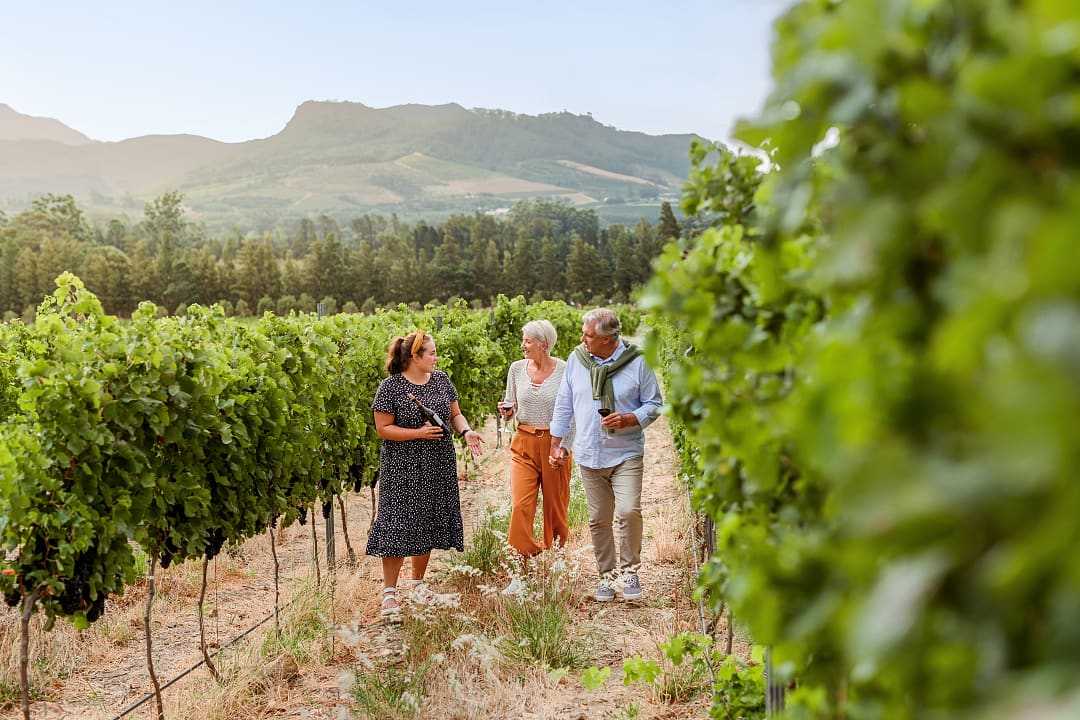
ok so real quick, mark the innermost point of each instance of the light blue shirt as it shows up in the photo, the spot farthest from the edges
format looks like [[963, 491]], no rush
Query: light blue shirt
[[636, 391]]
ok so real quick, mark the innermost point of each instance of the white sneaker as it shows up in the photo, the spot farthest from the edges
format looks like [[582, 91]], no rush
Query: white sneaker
[[604, 591], [631, 586]]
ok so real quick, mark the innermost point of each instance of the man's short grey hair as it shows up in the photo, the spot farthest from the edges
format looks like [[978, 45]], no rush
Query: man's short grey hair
[[604, 322], [541, 330]]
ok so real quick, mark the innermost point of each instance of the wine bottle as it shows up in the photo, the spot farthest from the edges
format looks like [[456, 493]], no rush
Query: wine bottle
[[430, 415]]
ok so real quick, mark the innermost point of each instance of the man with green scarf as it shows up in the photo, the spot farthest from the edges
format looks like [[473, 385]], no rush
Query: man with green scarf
[[608, 395]]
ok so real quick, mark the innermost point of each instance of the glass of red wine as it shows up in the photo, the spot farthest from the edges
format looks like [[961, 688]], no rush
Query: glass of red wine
[[604, 432]]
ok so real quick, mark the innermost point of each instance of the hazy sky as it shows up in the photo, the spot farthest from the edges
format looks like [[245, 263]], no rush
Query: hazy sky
[[237, 70]]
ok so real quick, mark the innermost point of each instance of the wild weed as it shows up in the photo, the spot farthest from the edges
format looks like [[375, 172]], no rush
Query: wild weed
[[389, 693], [536, 624], [303, 626]]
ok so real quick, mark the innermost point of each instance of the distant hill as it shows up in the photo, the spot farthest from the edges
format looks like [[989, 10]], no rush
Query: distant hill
[[16, 126], [343, 159]]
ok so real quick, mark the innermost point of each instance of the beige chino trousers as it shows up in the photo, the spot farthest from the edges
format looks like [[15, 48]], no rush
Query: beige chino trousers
[[614, 494]]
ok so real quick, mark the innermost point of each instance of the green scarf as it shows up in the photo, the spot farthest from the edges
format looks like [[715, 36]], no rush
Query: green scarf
[[601, 374]]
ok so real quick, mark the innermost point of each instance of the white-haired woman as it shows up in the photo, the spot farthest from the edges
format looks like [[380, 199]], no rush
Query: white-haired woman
[[531, 388]]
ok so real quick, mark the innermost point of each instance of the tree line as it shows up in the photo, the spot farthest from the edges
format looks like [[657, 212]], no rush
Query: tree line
[[539, 249]]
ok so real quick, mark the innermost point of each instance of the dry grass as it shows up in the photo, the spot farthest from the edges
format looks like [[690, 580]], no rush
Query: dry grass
[[54, 656], [268, 677], [465, 691], [670, 531], [482, 655]]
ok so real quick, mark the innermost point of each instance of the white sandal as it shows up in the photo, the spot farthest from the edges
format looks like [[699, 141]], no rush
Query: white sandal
[[390, 606]]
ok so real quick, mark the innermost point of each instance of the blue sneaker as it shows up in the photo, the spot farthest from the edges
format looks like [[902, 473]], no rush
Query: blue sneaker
[[631, 586], [604, 591]]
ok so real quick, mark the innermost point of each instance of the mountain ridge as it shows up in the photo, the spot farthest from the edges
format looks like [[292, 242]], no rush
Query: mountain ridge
[[347, 157], [14, 125]]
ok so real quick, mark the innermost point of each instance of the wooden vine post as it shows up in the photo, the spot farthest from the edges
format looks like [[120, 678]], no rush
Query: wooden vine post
[[315, 545], [158, 704], [24, 650], [345, 532], [277, 581], [202, 625]]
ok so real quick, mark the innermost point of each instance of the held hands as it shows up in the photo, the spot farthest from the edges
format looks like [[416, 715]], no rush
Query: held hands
[[557, 456]]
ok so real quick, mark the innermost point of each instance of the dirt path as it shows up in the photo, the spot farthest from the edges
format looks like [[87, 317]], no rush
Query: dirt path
[[107, 668]]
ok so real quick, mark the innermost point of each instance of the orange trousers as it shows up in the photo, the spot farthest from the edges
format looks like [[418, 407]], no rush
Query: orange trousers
[[530, 472]]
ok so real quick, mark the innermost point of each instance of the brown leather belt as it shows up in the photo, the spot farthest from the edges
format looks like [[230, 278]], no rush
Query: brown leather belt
[[533, 430]]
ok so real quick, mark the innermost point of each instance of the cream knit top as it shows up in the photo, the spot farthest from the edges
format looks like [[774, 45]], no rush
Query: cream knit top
[[533, 404]]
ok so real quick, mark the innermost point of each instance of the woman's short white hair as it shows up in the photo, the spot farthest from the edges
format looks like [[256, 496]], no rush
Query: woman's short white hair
[[542, 331], [603, 321]]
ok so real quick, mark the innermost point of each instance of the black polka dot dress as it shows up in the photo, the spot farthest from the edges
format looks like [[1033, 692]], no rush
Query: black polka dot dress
[[419, 508]]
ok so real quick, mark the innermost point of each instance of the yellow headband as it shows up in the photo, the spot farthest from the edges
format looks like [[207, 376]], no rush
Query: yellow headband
[[418, 341]]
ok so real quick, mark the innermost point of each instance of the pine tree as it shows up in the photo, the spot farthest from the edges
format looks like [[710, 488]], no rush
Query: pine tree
[[626, 263], [669, 227], [548, 272], [9, 250], [648, 245], [292, 278], [28, 290], [285, 305], [363, 279], [521, 267], [450, 274], [488, 271], [107, 273], [257, 273], [399, 272], [206, 276], [586, 274], [326, 267]]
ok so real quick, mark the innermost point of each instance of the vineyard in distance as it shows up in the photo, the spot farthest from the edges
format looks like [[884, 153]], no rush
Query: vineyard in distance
[[860, 504]]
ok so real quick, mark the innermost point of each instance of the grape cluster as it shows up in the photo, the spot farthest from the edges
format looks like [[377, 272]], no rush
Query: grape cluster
[[76, 595], [169, 550], [356, 468], [356, 475], [214, 543]]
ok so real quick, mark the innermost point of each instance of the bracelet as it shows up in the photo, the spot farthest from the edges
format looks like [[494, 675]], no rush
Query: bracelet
[[466, 430]]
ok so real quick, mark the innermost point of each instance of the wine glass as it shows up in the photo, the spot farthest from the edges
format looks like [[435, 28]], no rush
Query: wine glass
[[605, 433]]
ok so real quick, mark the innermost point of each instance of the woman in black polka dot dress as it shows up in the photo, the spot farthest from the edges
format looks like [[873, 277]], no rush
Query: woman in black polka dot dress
[[419, 509]]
